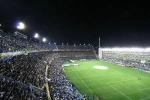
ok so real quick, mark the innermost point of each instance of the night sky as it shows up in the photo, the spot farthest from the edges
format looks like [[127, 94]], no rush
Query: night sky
[[119, 23]]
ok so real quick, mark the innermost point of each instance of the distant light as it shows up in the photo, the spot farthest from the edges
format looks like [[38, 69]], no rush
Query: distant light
[[0, 25], [133, 49], [89, 44], [44, 39], [84, 44], [20, 25], [49, 43], [54, 43], [67, 43], [36, 35], [80, 44]]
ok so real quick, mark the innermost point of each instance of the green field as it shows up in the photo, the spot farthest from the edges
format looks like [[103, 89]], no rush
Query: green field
[[115, 83]]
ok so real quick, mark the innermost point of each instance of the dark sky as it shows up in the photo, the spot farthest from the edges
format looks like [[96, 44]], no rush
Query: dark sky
[[119, 23]]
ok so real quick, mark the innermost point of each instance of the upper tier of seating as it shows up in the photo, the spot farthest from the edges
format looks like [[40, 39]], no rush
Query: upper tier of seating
[[12, 43], [75, 47], [9, 42]]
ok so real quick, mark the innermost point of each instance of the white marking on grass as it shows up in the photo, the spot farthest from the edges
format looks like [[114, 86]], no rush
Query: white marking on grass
[[122, 80], [141, 90], [145, 98], [100, 67], [130, 78], [82, 81], [144, 89], [119, 91]]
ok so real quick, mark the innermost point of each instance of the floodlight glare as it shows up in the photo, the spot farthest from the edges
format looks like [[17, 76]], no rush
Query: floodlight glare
[[36, 35], [20, 25], [44, 39], [125, 49]]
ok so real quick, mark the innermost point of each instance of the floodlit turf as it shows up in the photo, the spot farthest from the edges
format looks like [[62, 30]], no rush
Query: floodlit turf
[[115, 83]]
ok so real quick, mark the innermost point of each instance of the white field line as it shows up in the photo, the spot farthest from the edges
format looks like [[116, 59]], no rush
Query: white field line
[[145, 98], [122, 80], [82, 81], [144, 89], [144, 93], [120, 92], [141, 90]]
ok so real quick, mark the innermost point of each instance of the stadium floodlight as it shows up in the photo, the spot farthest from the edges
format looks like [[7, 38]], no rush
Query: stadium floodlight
[[147, 49], [133, 49], [20, 25], [44, 39], [36, 35]]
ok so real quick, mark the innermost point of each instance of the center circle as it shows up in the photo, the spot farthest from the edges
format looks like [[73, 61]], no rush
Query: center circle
[[100, 67]]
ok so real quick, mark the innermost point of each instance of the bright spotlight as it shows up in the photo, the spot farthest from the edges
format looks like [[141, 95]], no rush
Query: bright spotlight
[[20, 25], [44, 39], [36, 35]]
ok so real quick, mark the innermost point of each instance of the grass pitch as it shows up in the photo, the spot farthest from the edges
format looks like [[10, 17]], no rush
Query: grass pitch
[[115, 83]]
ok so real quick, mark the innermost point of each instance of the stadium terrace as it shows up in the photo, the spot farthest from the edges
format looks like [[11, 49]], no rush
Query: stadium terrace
[[32, 70]]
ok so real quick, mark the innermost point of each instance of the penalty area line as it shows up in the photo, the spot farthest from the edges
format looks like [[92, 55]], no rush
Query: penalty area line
[[119, 91], [82, 81]]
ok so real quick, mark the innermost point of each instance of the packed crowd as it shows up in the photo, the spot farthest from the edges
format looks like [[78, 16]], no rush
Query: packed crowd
[[23, 76], [75, 47], [60, 87], [78, 54], [9, 42], [131, 59]]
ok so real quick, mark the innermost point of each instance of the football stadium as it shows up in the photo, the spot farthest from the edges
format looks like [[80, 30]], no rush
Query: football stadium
[[31, 70]]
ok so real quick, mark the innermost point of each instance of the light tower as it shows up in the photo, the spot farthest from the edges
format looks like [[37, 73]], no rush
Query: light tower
[[99, 50]]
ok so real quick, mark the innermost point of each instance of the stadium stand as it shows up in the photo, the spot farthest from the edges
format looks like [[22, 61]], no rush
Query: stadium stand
[[9, 42], [135, 59], [28, 67]]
